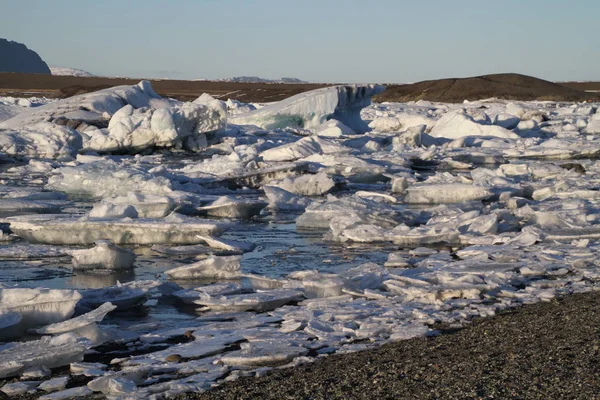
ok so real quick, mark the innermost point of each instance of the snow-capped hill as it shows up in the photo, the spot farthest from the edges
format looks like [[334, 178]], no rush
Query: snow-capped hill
[[62, 71]]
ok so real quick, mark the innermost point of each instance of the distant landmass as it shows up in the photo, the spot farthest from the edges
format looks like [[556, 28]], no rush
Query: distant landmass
[[256, 79], [503, 86], [16, 57], [63, 71]]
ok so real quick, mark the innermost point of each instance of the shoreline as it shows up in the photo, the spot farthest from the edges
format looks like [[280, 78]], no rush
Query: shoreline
[[548, 350]]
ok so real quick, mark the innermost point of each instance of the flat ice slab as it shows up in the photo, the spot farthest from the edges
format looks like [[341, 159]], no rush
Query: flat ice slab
[[60, 229], [259, 302]]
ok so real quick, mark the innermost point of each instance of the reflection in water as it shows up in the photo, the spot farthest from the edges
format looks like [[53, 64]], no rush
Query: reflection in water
[[95, 281]]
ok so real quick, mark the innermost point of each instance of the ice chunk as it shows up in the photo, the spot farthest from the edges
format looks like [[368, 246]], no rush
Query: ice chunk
[[73, 393], [593, 126], [307, 185], [259, 302], [122, 296], [79, 322], [42, 140], [333, 129], [19, 388], [445, 194], [25, 206], [261, 353], [134, 205], [303, 148], [283, 200], [107, 178], [227, 245], [31, 252], [217, 289], [212, 267], [229, 207], [310, 109], [37, 307], [53, 229], [506, 120], [51, 352], [458, 124], [322, 285], [351, 209], [104, 256], [54, 384]]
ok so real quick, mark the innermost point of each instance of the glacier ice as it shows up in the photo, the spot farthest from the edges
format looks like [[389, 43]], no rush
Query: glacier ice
[[310, 109]]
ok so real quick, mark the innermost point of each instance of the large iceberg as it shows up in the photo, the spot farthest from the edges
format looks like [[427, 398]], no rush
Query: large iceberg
[[117, 119], [181, 126], [311, 109], [94, 107]]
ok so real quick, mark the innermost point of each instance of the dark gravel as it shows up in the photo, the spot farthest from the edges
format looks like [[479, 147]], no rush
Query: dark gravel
[[541, 351]]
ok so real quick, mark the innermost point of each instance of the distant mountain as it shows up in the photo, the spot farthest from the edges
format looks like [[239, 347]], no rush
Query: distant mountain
[[16, 57], [63, 71], [256, 79]]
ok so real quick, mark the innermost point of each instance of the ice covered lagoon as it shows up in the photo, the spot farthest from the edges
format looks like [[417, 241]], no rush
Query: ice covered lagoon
[[248, 237]]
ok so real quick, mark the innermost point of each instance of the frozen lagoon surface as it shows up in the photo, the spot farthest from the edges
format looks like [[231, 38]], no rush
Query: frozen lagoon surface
[[283, 244]]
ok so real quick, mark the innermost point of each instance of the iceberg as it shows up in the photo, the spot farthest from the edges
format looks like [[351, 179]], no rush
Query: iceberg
[[92, 108], [313, 108], [181, 126]]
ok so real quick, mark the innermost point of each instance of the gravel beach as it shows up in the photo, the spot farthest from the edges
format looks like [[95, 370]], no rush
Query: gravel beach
[[541, 351]]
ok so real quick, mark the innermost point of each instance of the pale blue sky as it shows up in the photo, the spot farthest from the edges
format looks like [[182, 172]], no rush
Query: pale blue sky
[[315, 40]]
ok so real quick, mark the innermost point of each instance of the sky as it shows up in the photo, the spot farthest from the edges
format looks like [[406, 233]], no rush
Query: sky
[[385, 41]]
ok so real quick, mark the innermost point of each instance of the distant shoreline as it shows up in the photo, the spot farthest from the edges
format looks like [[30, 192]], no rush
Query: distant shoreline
[[507, 86]]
